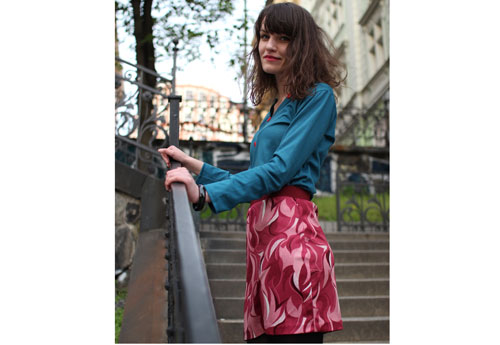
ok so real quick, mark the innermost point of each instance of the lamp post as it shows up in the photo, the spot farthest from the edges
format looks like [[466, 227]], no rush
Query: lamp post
[[174, 101], [174, 68]]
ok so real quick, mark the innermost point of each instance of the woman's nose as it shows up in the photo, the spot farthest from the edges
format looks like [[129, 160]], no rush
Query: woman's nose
[[271, 44]]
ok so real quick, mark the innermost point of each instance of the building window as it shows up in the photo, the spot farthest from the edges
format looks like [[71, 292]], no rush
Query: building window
[[337, 16], [375, 45]]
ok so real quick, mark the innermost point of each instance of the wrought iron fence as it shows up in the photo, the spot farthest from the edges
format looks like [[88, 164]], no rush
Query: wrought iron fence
[[140, 126], [362, 201], [233, 220]]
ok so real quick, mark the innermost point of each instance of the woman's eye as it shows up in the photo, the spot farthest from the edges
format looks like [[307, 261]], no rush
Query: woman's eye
[[264, 36], [285, 38]]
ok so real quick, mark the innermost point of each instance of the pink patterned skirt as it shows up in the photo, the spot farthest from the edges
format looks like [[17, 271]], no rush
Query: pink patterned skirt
[[290, 282]]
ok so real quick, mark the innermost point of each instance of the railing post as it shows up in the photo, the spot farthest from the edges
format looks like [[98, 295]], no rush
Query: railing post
[[174, 101]]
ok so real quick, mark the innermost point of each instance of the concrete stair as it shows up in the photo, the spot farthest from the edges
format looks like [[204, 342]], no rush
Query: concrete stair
[[361, 268]]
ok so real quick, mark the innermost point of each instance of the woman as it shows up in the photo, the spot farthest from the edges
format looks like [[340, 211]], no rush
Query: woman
[[291, 293]]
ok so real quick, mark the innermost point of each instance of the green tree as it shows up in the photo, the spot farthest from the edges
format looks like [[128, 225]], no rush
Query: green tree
[[156, 23]]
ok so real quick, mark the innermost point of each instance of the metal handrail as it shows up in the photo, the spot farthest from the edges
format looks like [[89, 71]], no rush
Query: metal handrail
[[196, 304], [200, 321]]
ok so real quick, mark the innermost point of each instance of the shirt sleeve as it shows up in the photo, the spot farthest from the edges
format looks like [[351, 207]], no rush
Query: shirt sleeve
[[210, 174], [306, 130]]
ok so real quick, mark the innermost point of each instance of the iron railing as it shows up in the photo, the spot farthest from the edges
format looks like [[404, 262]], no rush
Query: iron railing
[[189, 307], [140, 126], [233, 220], [362, 201]]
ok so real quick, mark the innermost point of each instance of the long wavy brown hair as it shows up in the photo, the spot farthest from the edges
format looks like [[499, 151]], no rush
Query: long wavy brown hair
[[310, 56]]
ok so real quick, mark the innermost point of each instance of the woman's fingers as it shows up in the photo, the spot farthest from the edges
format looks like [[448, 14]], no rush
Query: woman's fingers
[[172, 152], [177, 175], [182, 175], [164, 156]]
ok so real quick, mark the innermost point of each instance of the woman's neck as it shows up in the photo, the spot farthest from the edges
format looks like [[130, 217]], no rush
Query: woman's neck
[[281, 93], [280, 85]]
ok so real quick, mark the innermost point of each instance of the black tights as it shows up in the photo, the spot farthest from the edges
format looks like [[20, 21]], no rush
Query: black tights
[[289, 338]]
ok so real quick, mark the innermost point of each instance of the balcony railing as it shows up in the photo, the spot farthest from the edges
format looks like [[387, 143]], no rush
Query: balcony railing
[[363, 128]]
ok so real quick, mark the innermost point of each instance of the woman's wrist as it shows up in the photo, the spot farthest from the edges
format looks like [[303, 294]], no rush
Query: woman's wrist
[[198, 205], [193, 165]]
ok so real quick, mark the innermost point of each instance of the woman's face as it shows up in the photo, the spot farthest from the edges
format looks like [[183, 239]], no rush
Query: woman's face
[[272, 51]]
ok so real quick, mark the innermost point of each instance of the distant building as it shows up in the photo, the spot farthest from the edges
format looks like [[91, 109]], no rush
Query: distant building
[[359, 30], [206, 115]]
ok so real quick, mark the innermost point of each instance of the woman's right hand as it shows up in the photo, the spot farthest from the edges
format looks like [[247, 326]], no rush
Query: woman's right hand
[[173, 152], [177, 154]]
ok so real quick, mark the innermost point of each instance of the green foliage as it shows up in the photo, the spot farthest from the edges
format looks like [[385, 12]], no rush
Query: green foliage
[[189, 21], [120, 296]]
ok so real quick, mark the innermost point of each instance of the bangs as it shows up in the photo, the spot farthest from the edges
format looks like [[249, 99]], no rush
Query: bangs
[[278, 20]]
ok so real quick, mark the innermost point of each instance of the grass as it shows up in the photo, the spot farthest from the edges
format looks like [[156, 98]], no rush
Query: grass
[[231, 214], [120, 295], [327, 207]]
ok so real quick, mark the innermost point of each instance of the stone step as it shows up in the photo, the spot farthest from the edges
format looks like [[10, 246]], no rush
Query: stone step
[[232, 243], [341, 256], [350, 306], [356, 329], [346, 287], [342, 270], [335, 236]]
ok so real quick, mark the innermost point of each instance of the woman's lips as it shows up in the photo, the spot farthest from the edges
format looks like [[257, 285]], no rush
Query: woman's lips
[[271, 58]]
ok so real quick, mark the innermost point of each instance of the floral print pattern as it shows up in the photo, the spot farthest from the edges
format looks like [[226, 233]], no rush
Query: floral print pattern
[[290, 282]]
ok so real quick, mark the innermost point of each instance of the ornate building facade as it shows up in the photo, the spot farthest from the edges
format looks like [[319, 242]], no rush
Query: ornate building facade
[[206, 115]]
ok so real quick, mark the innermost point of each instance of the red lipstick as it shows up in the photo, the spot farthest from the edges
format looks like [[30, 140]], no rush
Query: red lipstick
[[271, 58]]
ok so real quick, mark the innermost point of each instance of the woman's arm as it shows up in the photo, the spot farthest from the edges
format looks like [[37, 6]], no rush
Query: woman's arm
[[206, 172]]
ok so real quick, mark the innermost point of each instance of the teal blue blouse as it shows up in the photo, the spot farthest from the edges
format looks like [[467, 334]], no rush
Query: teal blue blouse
[[288, 149]]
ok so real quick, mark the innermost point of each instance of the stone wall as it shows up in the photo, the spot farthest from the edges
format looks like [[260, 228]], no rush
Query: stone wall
[[127, 216]]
